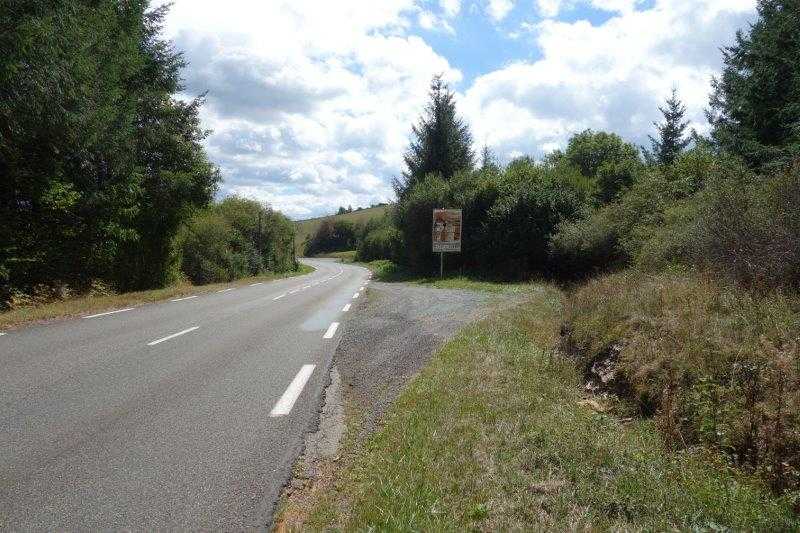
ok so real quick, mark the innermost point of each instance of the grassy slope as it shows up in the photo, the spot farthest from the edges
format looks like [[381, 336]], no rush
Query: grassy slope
[[87, 304], [492, 435], [309, 226]]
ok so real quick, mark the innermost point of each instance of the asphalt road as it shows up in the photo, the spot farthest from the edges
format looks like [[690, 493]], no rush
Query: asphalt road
[[176, 415]]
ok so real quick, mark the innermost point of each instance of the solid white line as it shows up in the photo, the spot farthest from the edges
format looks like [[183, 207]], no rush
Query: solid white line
[[259, 283], [331, 331], [346, 308], [110, 312], [182, 299], [168, 337], [279, 297], [225, 290], [307, 287], [355, 296], [285, 404]]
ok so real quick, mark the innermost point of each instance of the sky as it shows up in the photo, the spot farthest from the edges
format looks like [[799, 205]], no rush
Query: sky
[[311, 102]]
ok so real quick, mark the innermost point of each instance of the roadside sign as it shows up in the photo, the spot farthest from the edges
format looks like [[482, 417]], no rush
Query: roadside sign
[[446, 230]]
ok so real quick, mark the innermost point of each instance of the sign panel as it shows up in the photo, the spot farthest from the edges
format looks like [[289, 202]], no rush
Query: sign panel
[[447, 230]]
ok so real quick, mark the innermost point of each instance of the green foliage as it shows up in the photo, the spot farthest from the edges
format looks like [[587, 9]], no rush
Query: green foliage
[[532, 201], [605, 158], [672, 139], [332, 236], [100, 164], [380, 243], [235, 238], [755, 104], [441, 144], [213, 251], [414, 216]]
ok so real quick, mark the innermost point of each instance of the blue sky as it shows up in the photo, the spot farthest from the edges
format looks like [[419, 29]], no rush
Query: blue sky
[[311, 102]]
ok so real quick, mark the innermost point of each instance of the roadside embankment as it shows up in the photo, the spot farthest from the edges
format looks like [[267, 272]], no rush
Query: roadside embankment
[[498, 432]]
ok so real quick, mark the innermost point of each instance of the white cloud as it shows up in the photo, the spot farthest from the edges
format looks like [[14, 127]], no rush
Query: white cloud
[[498, 9], [310, 102], [549, 8], [451, 8], [610, 76]]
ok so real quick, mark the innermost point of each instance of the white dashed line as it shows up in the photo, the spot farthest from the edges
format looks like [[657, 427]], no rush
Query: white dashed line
[[184, 298], [355, 296], [110, 312], [279, 297], [346, 308], [331, 331], [286, 402], [168, 337], [254, 284], [1, 333], [225, 290]]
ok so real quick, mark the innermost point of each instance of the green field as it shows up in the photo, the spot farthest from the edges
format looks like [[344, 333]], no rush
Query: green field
[[309, 226]]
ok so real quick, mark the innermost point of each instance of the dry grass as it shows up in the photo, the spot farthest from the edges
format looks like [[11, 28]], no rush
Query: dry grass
[[717, 365], [492, 435], [94, 303]]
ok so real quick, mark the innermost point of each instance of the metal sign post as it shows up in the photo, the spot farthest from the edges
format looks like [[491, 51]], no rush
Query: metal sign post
[[447, 226]]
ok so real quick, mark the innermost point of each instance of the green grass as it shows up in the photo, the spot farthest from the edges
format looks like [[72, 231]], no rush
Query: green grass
[[80, 305], [307, 227], [491, 436], [384, 270]]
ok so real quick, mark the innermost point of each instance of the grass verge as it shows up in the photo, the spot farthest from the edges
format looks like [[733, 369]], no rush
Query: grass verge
[[384, 270], [494, 434], [97, 303]]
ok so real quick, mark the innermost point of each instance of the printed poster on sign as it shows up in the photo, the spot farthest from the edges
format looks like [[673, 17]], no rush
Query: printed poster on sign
[[447, 230]]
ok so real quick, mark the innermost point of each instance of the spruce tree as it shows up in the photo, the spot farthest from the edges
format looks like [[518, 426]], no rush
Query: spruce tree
[[441, 143], [672, 139], [755, 104]]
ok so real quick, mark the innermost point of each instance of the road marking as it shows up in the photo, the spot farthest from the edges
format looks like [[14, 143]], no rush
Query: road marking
[[355, 296], [110, 312], [279, 297], [225, 290], [168, 337], [259, 283], [307, 287], [362, 288], [331, 331], [346, 308], [286, 402], [182, 299], [1, 333]]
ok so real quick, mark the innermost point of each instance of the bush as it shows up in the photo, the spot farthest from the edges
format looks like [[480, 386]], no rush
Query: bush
[[213, 251], [715, 364], [381, 243], [414, 216], [531, 204], [586, 246], [332, 236]]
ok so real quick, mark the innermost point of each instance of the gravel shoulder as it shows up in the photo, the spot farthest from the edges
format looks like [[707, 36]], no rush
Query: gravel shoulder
[[388, 338]]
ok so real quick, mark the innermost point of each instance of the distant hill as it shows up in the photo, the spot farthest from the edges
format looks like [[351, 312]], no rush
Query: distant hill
[[309, 226]]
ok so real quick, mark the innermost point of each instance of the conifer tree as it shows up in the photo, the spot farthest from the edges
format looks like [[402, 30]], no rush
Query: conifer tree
[[672, 139], [441, 143], [755, 104]]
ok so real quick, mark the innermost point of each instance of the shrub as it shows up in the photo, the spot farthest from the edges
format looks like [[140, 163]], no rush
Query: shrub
[[332, 236], [380, 243], [213, 251], [531, 204], [715, 364]]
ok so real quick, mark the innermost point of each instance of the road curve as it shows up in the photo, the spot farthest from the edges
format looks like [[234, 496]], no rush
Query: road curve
[[183, 414]]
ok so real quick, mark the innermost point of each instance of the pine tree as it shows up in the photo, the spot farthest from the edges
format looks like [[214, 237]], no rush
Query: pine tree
[[672, 139], [488, 160], [755, 104], [441, 144]]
